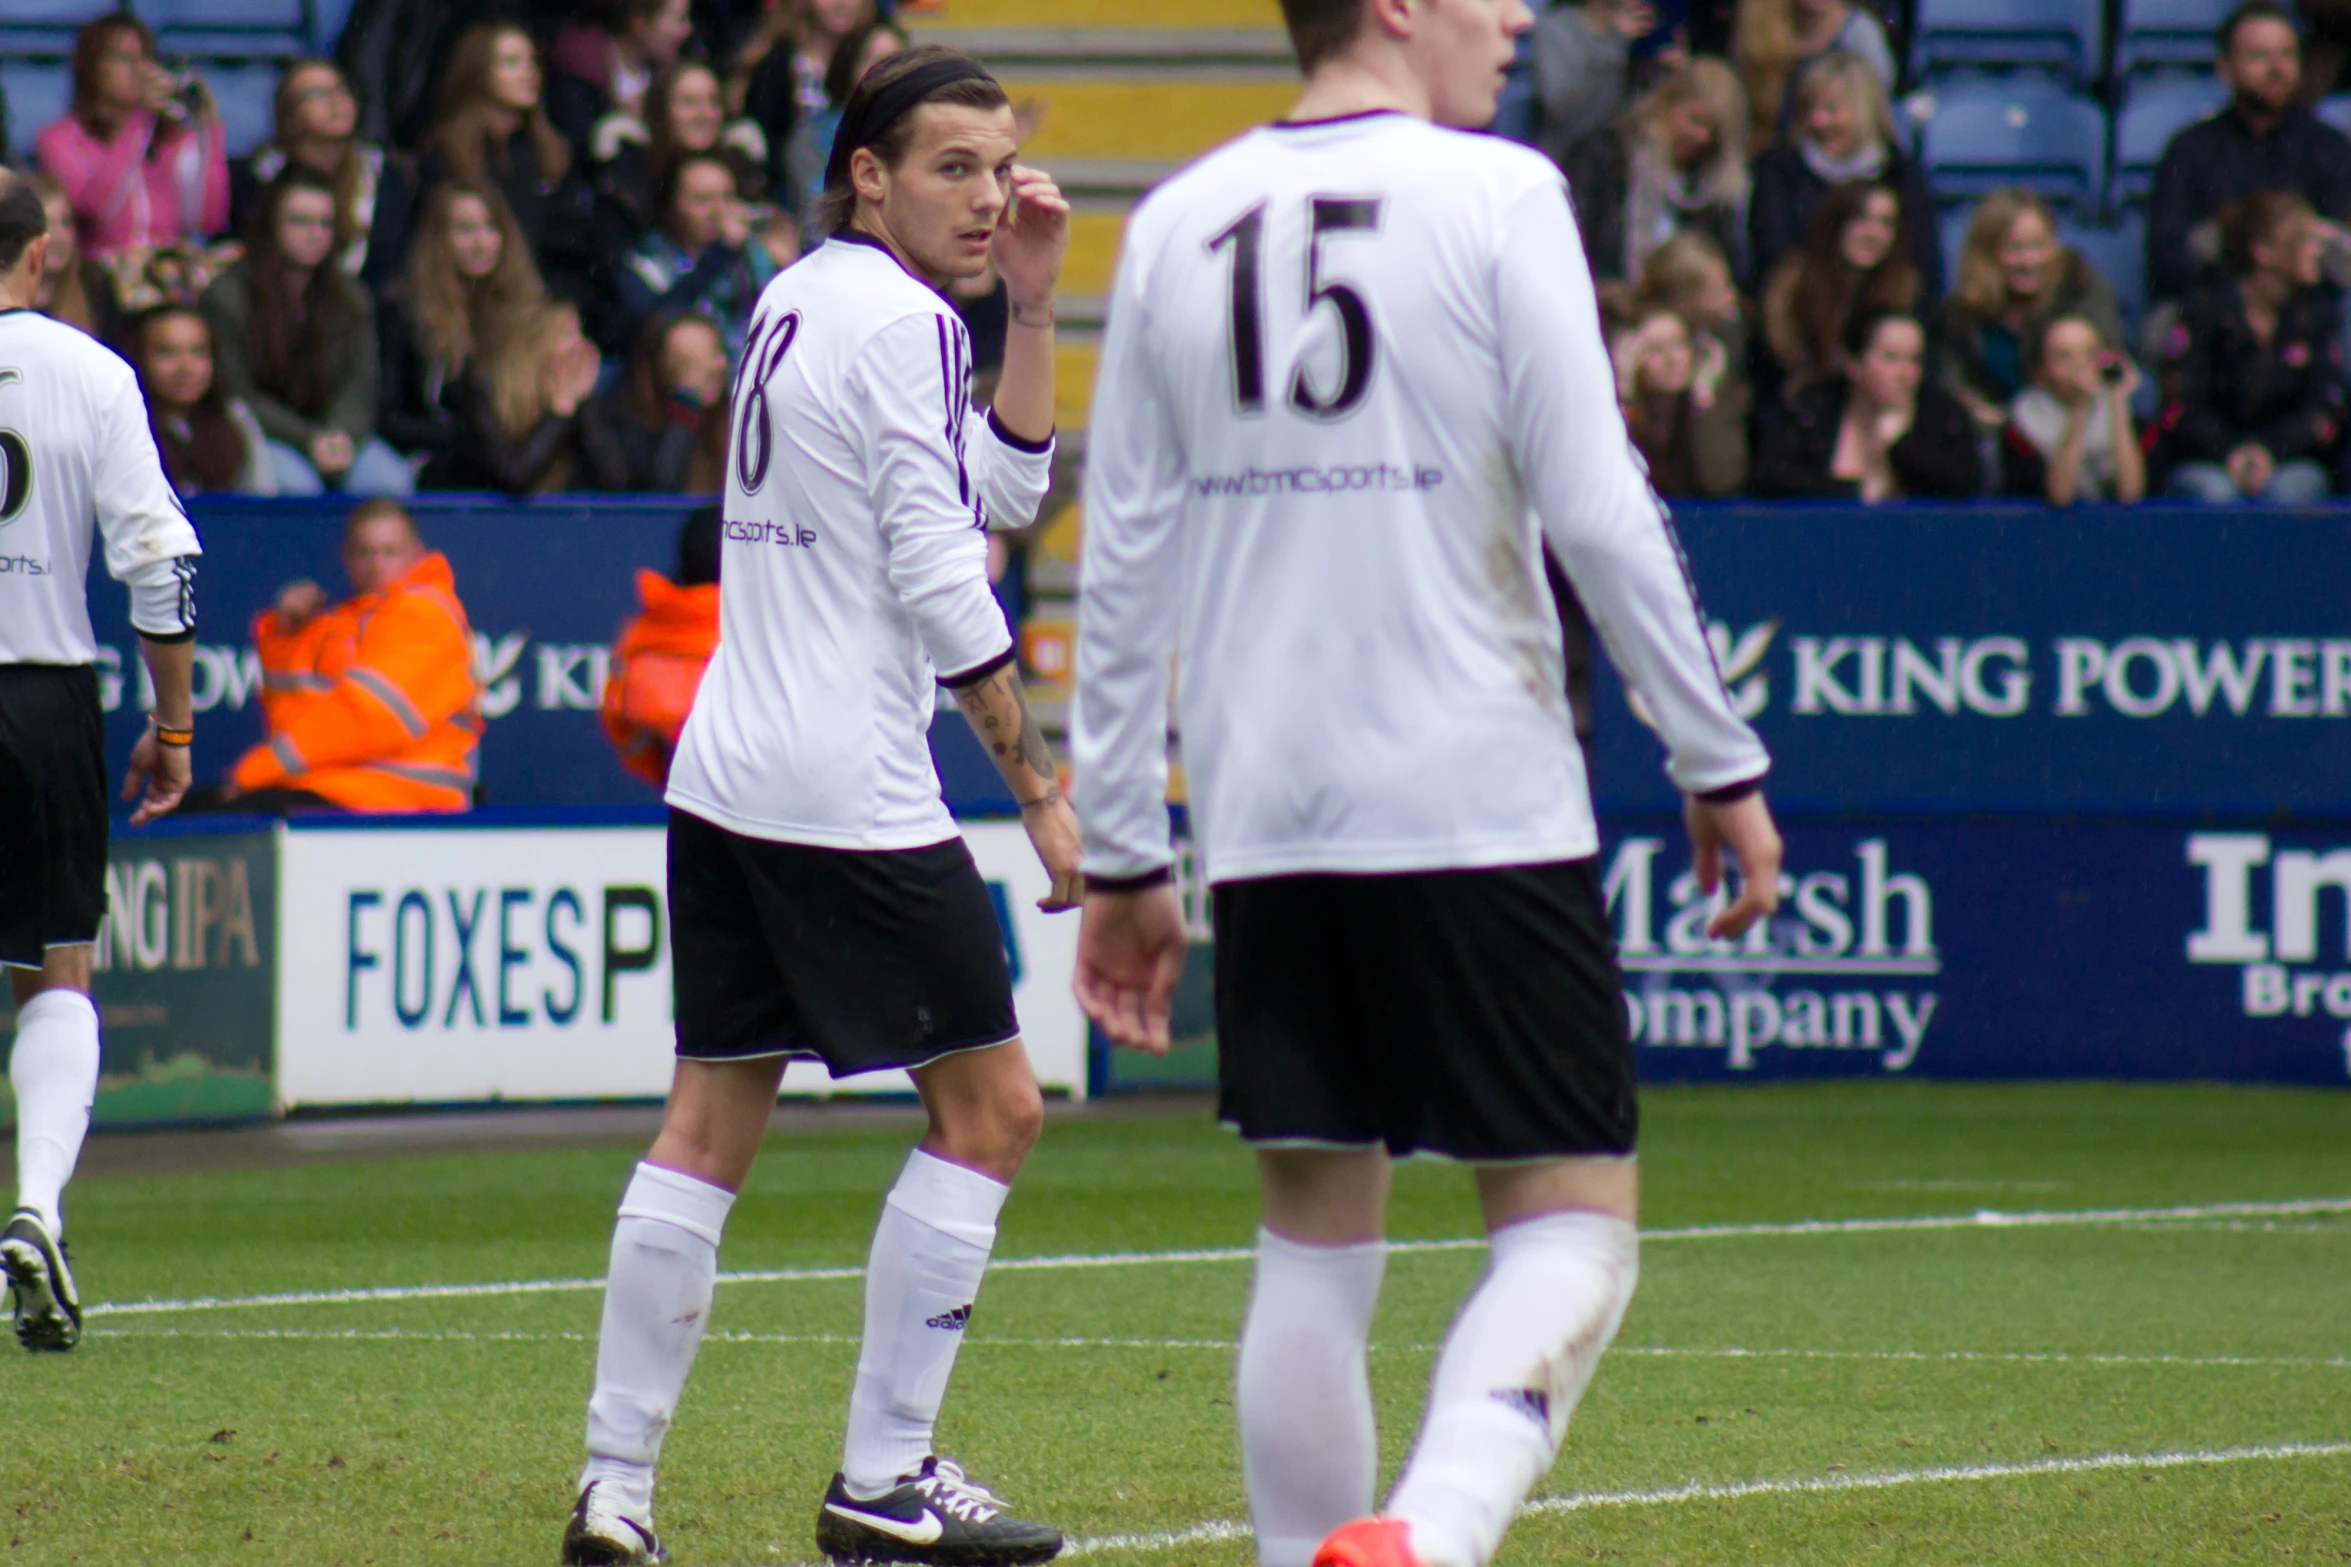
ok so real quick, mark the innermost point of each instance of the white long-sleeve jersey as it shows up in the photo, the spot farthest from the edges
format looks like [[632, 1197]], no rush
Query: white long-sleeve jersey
[[1353, 384], [77, 460], [859, 485]]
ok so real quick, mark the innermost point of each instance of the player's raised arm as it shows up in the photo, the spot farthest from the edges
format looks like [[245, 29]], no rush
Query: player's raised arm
[[1131, 946], [1612, 535]]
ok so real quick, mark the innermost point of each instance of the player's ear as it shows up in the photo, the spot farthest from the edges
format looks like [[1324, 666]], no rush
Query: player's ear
[[867, 177]]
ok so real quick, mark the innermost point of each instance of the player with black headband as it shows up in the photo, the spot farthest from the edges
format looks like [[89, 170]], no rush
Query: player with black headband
[[821, 901], [76, 460]]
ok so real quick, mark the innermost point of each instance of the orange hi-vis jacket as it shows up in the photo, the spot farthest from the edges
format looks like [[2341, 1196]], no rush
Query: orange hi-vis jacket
[[656, 668], [372, 704]]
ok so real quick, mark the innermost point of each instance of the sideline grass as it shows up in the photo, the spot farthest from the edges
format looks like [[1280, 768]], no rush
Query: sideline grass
[[447, 1431]]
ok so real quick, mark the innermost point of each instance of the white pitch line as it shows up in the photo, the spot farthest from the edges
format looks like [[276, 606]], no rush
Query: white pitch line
[[1219, 1530], [1981, 1219], [1644, 1351]]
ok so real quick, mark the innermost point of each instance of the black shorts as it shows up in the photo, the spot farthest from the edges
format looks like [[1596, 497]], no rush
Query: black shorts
[[52, 809], [862, 960], [1474, 1014]]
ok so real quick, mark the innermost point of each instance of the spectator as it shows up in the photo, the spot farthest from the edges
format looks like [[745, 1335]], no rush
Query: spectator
[[1844, 131], [369, 705], [2264, 140], [2070, 435], [1851, 266], [778, 81], [658, 661], [1877, 432], [492, 129], [702, 257], [1693, 443], [1774, 41], [317, 124], [604, 61], [74, 289], [2255, 366], [1581, 54], [517, 413], [210, 443], [140, 152], [684, 113], [1677, 162], [2014, 278], [665, 426], [859, 52], [295, 340], [470, 283]]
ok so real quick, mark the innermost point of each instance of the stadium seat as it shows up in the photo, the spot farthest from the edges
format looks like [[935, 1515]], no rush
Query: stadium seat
[[2159, 35], [2016, 132], [2153, 112], [2336, 111], [238, 28], [2062, 36], [37, 94], [245, 95], [46, 27], [326, 25], [2119, 252], [1951, 231]]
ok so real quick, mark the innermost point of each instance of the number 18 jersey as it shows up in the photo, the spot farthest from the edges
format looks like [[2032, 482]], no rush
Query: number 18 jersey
[[1353, 383]]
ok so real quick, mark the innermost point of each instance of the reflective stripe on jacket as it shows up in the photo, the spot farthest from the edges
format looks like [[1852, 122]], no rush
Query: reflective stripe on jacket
[[373, 703]]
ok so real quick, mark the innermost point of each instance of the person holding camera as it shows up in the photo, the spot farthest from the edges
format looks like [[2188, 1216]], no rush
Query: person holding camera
[[2069, 434], [140, 153]]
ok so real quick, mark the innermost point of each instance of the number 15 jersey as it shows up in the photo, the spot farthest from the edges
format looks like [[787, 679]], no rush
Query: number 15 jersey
[[1353, 384]]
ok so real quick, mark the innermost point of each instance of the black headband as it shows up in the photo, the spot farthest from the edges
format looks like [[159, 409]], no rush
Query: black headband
[[870, 116]]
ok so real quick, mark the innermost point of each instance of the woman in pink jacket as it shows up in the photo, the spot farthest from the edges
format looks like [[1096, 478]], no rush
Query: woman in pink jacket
[[142, 162]]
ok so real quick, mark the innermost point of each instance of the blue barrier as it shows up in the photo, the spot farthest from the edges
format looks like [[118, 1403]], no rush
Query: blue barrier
[[546, 585], [2161, 661]]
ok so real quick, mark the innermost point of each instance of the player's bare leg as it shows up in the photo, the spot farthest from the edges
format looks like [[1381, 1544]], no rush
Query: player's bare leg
[[54, 1074], [895, 1498], [1565, 1259], [1303, 1391]]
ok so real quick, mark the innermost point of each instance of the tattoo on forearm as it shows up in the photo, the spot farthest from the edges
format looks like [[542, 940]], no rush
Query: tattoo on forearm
[[998, 708]]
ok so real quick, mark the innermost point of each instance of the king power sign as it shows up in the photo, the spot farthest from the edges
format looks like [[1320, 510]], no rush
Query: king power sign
[[1996, 949]]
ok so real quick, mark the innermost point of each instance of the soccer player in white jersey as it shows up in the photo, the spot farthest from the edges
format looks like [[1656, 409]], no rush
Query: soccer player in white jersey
[[821, 901], [1353, 386], [76, 459]]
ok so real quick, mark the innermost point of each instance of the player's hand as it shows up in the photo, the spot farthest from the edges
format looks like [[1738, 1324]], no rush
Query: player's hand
[[1745, 827], [1031, 237], [298, 603], [1130, 955], [331, 452], [162, 770], [1053, 830]]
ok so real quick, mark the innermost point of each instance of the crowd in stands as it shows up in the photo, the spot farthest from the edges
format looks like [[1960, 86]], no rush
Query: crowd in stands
[[516, 248], [491, 249]]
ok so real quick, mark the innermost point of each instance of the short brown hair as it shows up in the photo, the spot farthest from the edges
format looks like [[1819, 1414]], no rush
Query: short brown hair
[[838, 204], [1321, 28], [2256, 220]]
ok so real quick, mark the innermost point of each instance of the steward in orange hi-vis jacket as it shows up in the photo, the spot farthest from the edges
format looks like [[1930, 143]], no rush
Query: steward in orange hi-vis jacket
[[370, 704], [658, 662]]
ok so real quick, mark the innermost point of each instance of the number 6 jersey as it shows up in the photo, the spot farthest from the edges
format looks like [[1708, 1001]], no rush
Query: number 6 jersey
[[859, 486], [1353, 385]]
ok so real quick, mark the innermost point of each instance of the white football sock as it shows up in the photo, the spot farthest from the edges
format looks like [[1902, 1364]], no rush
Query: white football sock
[[54, 1071], [929, 1252], [1303, 1395], [656, 1304], [1518, 1358]]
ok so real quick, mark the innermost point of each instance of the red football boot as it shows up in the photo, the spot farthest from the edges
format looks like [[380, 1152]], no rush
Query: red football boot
[[1369, 1542]]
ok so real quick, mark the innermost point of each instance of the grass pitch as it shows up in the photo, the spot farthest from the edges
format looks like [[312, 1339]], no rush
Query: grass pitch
[[2168, 1389]]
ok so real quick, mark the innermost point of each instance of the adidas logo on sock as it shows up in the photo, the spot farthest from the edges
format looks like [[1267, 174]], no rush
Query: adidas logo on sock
[[953, 1321], [1533, 1403]]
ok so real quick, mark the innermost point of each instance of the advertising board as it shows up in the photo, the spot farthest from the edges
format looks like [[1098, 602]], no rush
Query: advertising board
[[500, 960]]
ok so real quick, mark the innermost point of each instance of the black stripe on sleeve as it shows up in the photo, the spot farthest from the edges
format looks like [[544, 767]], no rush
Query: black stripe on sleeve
[[1004, 434], [1149, 879], [1731, 794], [977, 673]]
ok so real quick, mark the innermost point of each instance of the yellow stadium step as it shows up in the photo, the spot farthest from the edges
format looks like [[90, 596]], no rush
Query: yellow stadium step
[[1140, 118], [1075, 359], [1101, 13], [1092, 258]]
